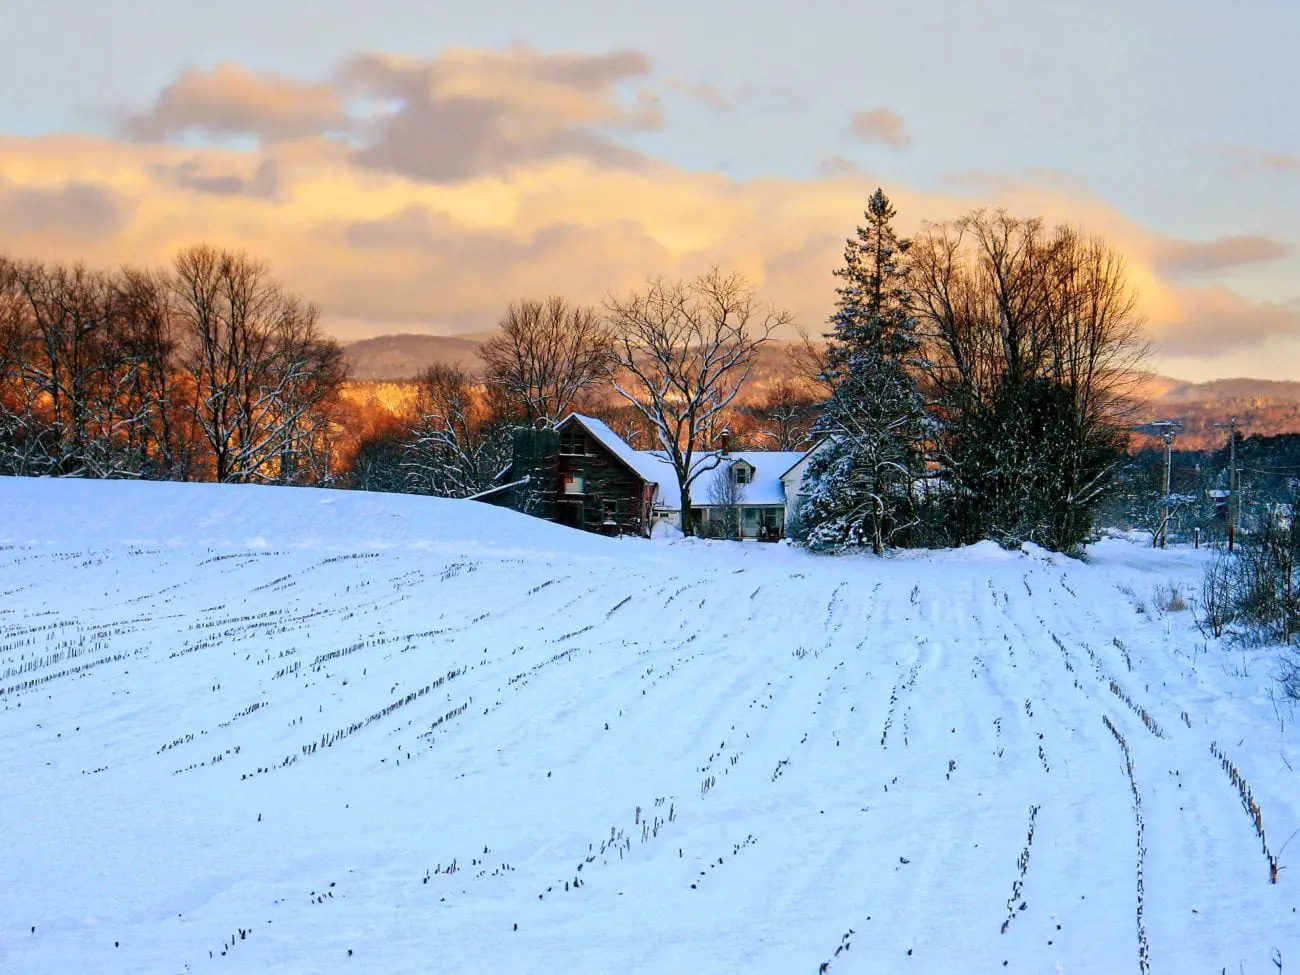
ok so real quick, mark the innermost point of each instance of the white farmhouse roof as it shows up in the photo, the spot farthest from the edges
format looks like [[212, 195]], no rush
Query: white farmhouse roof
[[806, 453], [765, 488]]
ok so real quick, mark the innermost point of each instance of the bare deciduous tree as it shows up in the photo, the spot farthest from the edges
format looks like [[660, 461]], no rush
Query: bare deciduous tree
[[808, 359], [458, 444], [134, 373], [79, 364], [309, 372], [16, 407], [1026, 332], [726, 497], [545, 356], [683, 350], [164, 441], [999, 297], [257, 361], [784, 417]]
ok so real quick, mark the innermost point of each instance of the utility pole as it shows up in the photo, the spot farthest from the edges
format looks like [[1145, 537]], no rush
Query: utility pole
[[1233, 507], [1233, 511], [1170, 428], [1164, 525]]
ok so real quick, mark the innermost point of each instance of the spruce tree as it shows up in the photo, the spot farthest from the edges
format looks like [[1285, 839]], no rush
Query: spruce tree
[[858, 485]]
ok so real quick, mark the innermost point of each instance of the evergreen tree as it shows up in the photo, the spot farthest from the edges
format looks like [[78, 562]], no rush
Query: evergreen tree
[[858, 485], [1024, 471]]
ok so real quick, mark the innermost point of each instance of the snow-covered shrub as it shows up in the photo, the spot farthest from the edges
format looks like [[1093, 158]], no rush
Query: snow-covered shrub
[[797, 527], [665, 531], [1218, 604], [1253, 596]]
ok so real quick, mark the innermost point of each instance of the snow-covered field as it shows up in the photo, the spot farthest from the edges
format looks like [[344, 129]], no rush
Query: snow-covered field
[[273, 730]]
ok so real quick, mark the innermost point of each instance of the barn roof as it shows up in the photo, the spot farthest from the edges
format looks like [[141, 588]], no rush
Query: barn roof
[[765, 489], [651, 473]]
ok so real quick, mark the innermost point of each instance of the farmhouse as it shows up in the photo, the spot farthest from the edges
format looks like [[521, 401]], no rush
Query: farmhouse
[[584, 475]]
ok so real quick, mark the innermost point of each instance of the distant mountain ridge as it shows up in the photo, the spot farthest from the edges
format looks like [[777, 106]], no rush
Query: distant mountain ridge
[[1266, 407], [395, 358], [1262, 406], [387, 358], [1283, 390]]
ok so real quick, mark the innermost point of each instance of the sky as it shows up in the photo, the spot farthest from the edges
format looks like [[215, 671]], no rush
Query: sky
[[415, 167]]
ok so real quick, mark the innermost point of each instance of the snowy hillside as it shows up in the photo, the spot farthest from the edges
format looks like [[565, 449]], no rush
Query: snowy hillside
[[275, 730]]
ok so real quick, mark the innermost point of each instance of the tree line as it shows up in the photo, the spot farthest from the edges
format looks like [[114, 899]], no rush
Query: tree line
[[662, 366], [979, 385], [1195, 508], [207, 370], [973, 383]]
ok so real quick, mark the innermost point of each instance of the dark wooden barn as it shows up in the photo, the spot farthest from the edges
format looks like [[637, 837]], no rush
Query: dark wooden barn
[[573, 476]]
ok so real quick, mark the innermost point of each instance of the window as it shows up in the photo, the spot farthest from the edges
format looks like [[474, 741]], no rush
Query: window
[[742, 473], [573, 440], [611, 512], [573, 484]]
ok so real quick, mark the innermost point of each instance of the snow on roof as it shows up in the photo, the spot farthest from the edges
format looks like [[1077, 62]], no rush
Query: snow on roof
[[765, 488], [652, 471], [497, 488], [803, 454]]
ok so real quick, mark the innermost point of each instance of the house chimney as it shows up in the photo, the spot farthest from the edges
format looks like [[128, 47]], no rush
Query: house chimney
[[724, 439]]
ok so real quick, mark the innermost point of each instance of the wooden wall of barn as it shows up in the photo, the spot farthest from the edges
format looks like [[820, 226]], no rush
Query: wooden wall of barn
[[610, 492]]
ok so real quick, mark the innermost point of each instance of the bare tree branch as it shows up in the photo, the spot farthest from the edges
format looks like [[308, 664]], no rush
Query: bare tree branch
[[546, 354], [257, 362], [683, 351], [458, 445]]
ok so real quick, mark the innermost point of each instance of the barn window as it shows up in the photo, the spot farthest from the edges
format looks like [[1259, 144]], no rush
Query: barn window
[[573, 484], [572, 440]]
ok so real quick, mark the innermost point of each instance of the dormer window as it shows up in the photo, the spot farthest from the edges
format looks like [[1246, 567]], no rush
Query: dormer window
[[742, 473]]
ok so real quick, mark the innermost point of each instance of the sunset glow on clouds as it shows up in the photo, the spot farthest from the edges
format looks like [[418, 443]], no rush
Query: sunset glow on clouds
[[422, 194]]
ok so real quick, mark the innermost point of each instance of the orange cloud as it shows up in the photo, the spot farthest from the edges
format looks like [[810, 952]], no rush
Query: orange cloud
[[73, 210], [1214, 320], [229, 100], [879, 125], [480, 177]]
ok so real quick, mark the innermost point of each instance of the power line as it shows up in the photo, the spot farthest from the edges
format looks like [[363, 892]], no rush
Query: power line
[[1279, 471]]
